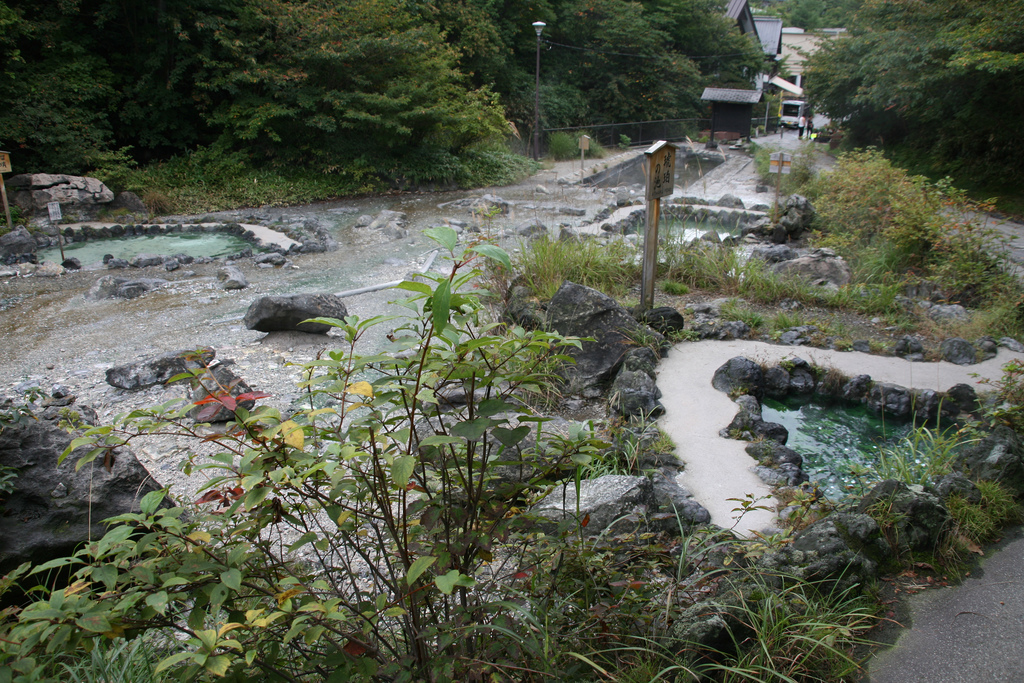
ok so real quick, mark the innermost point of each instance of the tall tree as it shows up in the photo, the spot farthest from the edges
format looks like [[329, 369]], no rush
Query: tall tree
[[942, 77]]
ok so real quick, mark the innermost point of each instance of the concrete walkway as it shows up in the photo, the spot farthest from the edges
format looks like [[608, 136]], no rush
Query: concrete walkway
[[717, 470], [969, 633]]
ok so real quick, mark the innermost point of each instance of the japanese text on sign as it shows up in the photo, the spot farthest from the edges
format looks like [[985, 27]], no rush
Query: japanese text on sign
[[5, 162], [53, 209], [780, 159], [661, 169]]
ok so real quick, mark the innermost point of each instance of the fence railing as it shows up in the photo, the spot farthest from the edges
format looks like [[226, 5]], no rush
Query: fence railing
[[649, 132]]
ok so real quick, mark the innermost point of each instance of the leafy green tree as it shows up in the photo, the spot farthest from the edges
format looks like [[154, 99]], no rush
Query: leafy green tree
[[943, 79]]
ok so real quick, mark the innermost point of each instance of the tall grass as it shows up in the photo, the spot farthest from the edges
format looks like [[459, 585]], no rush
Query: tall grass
[[546, 264], [922, 457]]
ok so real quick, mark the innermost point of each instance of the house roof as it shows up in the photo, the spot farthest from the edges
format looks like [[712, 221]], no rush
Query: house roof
[[739, 11], [731, 95], [769, 31], [735, 8]]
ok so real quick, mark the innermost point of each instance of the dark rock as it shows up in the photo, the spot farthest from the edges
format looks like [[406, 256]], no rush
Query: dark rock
[[71, 263], [523, 308], [957, 483], [862, 345], [890, 399], [634, 394], [116, 263], [801, 380], [79, 197], [1011, 344], [997, 457], [129, 201], [776, 382], [49, 512], [917, 518], [171, 264], [532, 229], [730, 201], [964, 398], [273, 258], [948, 313], [987, 347], [775, 253], [856, 389], [642, 359], [798, 215], [681, 508], [732, 329], [146, 260], [843, 548], [571, 211], [958, 351], [581, 311], [155, 370], [113, 287], [907, 346], [282, 313], [664, 319], [739, 375]]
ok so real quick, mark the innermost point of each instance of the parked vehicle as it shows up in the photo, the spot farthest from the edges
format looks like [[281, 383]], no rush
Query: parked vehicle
[[790, 112]]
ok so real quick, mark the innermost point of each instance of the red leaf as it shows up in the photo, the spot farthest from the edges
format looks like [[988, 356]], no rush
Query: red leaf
[[585, 522], [252, 396], [209, 497], [354, 649], [208, 399], [229, 401], [520, 575], [207, 412]]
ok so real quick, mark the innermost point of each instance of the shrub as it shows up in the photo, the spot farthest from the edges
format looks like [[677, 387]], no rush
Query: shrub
[[358, 537], [562, 146]]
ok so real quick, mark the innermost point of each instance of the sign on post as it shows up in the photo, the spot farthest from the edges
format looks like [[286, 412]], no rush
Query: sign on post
[[660, 169], [53, 208], [5, 167], [779, 160], [584, 146]]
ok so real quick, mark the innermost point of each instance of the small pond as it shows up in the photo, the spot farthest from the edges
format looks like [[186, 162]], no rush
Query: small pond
[[689, 169], [834, 439], [191, 244]]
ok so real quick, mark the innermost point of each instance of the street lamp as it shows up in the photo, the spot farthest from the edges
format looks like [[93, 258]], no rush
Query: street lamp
[[538, 26]]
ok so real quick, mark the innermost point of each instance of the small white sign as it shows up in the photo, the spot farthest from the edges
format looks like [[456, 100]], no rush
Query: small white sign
[[777, 159], [5, 162], [53, 208]]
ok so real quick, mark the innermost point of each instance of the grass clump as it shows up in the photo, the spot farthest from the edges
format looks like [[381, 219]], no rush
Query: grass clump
[[922, 457], [563, 146], [546, 264], [982, 521]]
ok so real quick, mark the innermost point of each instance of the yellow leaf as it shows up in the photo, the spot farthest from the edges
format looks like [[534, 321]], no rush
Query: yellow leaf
[[282, 597], [293, 435], [228, 627], [361, 388], [199, 537]]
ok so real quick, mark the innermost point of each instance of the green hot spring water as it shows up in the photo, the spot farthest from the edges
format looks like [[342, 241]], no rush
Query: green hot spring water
[[192, 244], [835, 439]]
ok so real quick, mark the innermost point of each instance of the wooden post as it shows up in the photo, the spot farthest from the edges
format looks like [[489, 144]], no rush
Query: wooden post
[[660, 169], [584, 146], [5, 167], [650, 253]]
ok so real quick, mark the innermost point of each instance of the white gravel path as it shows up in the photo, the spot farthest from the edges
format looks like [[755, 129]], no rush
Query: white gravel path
[[718, 469]]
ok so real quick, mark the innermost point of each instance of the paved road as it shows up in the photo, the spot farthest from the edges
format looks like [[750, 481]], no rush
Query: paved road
[[971, 633]]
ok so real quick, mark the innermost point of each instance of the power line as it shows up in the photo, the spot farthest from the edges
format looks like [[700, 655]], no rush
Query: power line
[[627, 54]]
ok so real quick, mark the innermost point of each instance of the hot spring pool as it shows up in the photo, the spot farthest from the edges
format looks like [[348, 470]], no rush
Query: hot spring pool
[[191, 244]]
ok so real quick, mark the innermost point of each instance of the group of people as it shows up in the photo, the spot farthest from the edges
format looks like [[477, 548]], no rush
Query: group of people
[[805, 125]]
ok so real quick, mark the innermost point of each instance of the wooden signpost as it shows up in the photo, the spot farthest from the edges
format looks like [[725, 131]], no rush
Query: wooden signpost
[[660, 169], [53, 211], [5, 167], [780, 163], [584, 146]]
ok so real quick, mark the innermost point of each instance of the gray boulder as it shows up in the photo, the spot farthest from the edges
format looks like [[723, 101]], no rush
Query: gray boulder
[[155, 370], [797, 217], [129, 201], [48, 514], [919, 519], [739, 375], [634, 393], [890, 399], [614, 503], [284, 313], [843, 549], [273, 258], [113, 287], [909, 347], [17, 242], [730, 201], [680, 509], [820, 267], [531, 229], [997, 457], [146, 260], [775, 253], [78, 197], [584, 312], [948, 313], [231, 277], [958, 351], [664, 319]]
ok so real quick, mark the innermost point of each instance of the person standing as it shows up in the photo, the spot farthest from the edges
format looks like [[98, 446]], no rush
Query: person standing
[[801, 125]]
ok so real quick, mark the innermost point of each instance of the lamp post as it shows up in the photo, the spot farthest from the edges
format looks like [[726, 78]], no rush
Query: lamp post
[[538, 26]]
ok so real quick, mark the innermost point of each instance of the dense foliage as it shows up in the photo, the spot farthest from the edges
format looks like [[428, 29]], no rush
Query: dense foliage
[[368, 89], [944, 79]]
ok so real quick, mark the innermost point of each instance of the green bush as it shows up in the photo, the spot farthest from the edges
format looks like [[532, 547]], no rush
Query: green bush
[[356, 538], [563, 146]]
